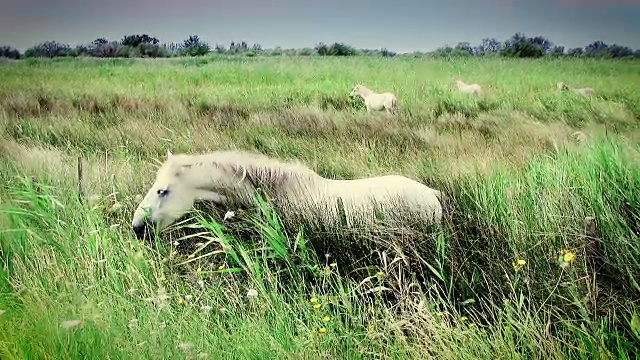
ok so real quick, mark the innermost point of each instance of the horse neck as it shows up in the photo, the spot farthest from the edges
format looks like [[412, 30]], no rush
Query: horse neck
[[365, 92]]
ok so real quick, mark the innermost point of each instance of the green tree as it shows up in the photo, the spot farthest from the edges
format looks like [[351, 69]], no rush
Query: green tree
[[194, 46]]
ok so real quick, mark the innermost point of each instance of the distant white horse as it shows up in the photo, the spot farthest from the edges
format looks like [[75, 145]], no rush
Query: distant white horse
[[473, 89], [374, 101], [230, 179], [580, 137], [586, 91]]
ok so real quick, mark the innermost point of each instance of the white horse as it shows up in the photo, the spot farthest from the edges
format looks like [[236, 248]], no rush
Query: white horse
[[230, 179], [580, 137], [473, 89], [374, 101], [586, 91]]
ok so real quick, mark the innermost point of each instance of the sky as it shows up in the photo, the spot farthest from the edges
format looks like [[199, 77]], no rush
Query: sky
[[399, 25]]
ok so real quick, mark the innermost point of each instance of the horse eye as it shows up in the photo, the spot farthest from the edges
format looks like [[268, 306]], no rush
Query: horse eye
[[162, 192]]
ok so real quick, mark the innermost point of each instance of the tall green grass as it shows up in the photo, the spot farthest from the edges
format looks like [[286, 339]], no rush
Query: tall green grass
[[521, 189]]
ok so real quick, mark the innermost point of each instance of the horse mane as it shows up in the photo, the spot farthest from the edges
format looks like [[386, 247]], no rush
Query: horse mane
[[270, 172], [255, 168]]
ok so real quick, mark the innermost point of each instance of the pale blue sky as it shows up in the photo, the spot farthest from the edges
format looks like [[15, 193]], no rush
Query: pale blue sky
[[400, 25]]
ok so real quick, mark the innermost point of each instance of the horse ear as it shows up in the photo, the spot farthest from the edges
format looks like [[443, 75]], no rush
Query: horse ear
[[244, 172], [182, 168]]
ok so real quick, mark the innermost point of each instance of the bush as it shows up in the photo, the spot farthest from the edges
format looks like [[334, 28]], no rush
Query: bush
[[193, 46], [9, 52], [49, 49]]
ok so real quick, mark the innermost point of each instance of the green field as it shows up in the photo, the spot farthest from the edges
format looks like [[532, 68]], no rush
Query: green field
[[75, 283]]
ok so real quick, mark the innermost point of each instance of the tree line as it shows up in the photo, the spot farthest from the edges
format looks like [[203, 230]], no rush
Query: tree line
[[518, 45]]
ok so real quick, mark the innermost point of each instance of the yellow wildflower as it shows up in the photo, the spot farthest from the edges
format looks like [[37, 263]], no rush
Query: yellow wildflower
[[314, 300], [333, 264], [322, 330], [221, 267], [326, 319], [569, 256], [521, 262], [317, 307]]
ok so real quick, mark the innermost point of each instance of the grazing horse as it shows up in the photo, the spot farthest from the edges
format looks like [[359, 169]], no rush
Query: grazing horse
[[473, 89], [230, 178], [374, 101], [586, 91]]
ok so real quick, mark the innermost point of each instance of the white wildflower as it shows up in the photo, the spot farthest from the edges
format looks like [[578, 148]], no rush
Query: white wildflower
[[229, 215], [252, 293]]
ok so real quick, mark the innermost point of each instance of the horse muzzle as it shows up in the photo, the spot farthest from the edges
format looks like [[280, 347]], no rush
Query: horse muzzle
[[143, 229]]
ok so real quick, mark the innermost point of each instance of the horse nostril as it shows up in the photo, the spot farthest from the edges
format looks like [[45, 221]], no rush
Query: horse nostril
[[140, 231], [143, 229]]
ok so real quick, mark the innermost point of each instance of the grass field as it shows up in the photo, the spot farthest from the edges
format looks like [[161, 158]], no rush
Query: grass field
[[518, 272]]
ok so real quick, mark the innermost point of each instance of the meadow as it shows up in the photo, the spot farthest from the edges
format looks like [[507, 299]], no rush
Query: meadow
[[539, 259]]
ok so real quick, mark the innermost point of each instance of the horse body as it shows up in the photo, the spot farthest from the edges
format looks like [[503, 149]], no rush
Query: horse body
[[397, 194], [231, 178], [473, 89], [586, 91], [376, 101]]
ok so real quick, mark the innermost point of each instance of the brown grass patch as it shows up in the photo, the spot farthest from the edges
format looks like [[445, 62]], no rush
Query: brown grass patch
[[103, 174]]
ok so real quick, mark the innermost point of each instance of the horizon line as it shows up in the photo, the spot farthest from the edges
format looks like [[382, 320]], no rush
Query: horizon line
[[212, 45]]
